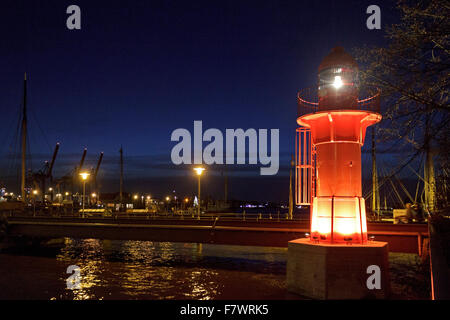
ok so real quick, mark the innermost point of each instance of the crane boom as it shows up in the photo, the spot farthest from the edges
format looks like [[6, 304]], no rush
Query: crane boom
[[50, 169], [82, 159], [24, 138], [98, 165]]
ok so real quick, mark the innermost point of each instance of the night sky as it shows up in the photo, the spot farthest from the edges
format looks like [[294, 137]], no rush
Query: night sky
[[137, 70]]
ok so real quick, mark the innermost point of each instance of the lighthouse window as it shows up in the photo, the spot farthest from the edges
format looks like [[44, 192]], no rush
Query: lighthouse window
[[344, 76]]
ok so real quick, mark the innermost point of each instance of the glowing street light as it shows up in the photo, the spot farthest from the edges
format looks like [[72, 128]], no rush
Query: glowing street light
[[84, 177], [51, 193], [35, 192], [199, 171]]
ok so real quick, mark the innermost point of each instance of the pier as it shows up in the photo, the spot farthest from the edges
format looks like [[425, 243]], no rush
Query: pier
[[253, 231]]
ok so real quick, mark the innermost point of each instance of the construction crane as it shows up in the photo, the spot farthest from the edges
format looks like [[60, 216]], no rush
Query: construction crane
[[46, 173], [94, 176], [68, 179], [82, 161]]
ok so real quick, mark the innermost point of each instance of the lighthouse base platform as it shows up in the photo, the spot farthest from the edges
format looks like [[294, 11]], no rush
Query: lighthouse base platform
[[338, 271]]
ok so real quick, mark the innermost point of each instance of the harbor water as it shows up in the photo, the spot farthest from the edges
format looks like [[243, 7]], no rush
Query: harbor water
[[151, 270]]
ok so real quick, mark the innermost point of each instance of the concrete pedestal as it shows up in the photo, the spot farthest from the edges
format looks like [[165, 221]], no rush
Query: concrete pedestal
[[335, 271]]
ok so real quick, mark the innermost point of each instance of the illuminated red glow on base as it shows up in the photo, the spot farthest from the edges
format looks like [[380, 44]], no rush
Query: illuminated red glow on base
[[338, 220]]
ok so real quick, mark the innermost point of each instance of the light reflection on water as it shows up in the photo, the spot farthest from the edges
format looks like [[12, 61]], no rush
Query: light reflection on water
[[150, 270]]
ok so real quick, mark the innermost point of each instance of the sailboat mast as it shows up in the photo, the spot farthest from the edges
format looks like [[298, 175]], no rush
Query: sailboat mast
[[24, 138], [121, 176], [291, 199], [375, 191]]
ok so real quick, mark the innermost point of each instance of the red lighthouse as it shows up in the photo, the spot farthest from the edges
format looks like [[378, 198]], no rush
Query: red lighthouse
[[329, 157], [335, 261]]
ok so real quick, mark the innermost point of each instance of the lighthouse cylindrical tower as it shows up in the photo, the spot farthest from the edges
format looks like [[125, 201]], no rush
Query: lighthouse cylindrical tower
[[338, 123]]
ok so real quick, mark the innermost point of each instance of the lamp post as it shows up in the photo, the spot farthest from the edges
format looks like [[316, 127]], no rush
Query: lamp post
[[135, 201], [51, 194], [84, 177], [167, 200], [94, 198], [199, 171], [35, 192], [147, 202]]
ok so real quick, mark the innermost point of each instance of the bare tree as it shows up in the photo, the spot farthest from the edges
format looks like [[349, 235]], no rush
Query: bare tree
[[413, 73]]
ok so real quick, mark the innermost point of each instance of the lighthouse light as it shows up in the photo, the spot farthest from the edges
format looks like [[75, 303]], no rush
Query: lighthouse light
[[337, 82]]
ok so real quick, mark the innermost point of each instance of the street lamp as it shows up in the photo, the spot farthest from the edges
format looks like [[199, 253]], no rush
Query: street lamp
[[94, 198], [84, 177], [167, 204], [186, 200], [51, 194], [35, 192], [199, 171]]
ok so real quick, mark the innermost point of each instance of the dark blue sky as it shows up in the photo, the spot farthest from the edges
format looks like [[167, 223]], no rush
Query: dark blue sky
[[137, 70]]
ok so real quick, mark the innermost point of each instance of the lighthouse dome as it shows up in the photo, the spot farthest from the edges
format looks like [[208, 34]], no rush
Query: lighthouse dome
[[338, 57]]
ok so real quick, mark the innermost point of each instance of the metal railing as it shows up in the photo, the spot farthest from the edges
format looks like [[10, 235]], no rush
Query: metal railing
[[108, 214], [307, 101]]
